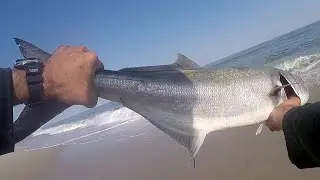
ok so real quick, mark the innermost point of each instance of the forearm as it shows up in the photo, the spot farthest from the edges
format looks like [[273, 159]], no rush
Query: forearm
[[301, 126], [13, 91]]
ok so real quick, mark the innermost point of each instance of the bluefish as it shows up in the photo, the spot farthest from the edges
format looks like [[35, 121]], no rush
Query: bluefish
[[187, 101]]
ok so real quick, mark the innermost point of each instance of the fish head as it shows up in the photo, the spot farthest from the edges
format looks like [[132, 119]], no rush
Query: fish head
[[293, 85]]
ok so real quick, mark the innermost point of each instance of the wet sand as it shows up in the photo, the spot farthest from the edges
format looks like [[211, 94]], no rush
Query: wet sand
[[235, 153]]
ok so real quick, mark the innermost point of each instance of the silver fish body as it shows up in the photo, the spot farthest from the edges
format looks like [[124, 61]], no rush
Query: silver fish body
[[182, 99]]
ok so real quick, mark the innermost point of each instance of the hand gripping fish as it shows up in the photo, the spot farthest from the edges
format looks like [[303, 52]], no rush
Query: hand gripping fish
[[187, 101]]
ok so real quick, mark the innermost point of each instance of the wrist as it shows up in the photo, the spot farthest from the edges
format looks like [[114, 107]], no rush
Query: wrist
[[20, 88], [31, 82]]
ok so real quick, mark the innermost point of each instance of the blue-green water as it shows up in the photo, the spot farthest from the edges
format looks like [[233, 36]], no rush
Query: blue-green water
[[301, 42]]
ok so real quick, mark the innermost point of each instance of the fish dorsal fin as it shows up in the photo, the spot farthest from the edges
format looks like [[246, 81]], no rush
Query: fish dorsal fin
[[29, 50], [191, 141], [151, 68], [184, 62]]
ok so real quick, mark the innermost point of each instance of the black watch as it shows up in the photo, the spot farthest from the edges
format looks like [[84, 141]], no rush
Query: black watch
[[34, 71]]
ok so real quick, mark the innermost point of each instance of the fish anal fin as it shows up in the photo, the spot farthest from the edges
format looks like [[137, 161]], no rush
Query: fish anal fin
[[192, 140]]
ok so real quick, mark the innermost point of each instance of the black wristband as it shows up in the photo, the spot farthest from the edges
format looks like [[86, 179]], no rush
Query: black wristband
[[34, 70], [35, 83]]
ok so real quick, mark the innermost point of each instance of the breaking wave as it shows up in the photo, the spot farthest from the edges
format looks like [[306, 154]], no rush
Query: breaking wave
[[114, 117], [307, 67], [301, 64]]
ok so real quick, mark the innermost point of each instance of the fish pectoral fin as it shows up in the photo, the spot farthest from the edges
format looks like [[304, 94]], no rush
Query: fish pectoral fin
[[185, 62], [191, 141], [260, 128], [275, 90]]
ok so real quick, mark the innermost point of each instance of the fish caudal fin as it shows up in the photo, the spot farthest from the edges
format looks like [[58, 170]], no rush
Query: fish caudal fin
[[29, 50]]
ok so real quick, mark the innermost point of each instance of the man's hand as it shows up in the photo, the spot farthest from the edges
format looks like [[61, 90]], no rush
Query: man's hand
[[68, 76], [274, 121]]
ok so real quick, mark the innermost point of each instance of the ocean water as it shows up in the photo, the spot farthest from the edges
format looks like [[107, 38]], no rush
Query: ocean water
[[297, 51]]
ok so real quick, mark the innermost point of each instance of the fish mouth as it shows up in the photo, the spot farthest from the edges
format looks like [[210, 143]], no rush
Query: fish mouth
[[289, 91]]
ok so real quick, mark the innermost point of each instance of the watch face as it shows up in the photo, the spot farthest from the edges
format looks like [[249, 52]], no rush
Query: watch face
[[23, 62]]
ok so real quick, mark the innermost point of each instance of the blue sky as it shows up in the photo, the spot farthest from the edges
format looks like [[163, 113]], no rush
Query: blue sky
[[141, 32]]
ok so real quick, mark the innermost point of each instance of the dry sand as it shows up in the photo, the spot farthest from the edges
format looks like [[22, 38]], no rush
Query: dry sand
[[230, 154]]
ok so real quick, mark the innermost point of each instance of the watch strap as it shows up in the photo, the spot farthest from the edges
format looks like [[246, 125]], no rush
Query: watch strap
[[35, 82]]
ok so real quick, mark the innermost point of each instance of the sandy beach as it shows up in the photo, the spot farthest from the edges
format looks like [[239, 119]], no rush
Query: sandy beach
[[229, 154]]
